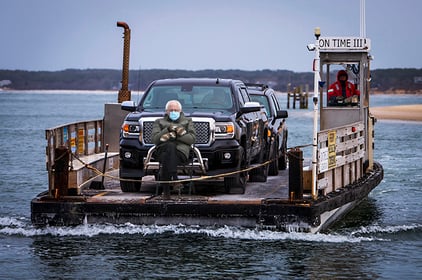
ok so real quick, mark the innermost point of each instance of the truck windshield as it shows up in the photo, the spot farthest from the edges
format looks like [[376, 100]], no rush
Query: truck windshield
[[262, 99], [191, 97]]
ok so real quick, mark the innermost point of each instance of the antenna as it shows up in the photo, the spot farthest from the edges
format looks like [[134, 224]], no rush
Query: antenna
[[362, 19]]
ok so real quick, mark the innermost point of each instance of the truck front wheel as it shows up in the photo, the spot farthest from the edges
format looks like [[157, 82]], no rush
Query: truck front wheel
[[274, 152], [130, 186], [282, 160], [239, 179]]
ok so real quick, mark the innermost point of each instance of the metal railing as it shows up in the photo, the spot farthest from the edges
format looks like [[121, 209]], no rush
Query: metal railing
[[80, 139], [341, 155]]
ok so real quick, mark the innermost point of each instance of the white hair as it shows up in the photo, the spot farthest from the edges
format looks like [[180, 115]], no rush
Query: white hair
[[173, 101]]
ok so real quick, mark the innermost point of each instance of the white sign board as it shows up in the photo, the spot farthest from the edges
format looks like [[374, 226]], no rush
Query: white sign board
[[344, 43], [323, 159], [323, 154]]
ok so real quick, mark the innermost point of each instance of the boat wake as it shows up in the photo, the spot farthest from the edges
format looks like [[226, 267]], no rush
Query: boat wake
[[22, 227], [389, 232]]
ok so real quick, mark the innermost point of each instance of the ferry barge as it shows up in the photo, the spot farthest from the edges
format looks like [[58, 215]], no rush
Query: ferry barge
[[310, 195]]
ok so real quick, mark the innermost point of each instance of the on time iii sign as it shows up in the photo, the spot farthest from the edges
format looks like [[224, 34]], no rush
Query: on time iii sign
[[344, 43]]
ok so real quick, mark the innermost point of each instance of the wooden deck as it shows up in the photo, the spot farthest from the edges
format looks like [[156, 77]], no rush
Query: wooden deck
[[210, 191]]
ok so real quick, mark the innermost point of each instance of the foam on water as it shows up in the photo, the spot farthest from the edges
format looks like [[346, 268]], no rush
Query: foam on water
[[387, 229], [22, 227]]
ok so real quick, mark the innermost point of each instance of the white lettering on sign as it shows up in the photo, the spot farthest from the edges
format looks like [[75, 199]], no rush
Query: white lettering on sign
[[344, 43]]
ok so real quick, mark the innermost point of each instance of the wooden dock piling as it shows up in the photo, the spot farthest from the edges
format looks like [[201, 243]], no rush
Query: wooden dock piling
[[298, 95]]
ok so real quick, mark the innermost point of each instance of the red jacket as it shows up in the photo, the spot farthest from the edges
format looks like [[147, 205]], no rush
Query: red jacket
[[335, 89]]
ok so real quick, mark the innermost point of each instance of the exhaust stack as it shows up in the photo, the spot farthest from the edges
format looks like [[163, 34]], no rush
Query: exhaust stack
[[124, 92]]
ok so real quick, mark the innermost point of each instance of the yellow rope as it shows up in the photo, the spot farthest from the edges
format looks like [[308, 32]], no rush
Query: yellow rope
[[201, 178]]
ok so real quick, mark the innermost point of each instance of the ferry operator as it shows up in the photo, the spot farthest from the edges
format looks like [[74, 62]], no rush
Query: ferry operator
[[342, 92]]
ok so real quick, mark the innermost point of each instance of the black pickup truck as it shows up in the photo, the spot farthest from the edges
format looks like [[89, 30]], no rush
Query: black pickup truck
[[277, 126], [231, 130]]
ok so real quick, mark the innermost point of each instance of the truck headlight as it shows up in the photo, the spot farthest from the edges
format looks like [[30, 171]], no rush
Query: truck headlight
[[224, 130], [130, 129]]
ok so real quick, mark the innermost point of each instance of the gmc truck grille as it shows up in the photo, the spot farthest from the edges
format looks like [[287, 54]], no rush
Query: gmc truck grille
[[202, 128]]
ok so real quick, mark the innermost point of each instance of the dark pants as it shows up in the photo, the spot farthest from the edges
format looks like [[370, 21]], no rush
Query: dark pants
[[169, 158]]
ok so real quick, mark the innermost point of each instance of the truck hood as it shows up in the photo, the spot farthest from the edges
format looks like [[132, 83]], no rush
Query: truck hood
[[217, 115]]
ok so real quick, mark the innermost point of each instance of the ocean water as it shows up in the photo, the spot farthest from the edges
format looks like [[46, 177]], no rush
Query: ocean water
[[380, 239]]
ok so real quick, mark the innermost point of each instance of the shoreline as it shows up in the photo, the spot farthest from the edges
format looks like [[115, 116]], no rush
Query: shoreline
[[400, 112]]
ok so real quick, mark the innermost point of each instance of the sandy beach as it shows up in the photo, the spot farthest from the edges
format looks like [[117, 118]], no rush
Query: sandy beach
[[402, 112]]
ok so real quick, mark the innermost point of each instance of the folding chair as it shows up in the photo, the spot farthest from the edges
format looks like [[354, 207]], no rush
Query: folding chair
[[196, 165]]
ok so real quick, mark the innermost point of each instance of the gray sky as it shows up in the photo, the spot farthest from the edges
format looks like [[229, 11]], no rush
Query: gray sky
[[194, 35]]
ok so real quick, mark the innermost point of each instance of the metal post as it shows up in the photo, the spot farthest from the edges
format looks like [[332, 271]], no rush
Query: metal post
[[288, 95], [288, 100], [124, 92], [61, 171], [295, 174], [317, 33]]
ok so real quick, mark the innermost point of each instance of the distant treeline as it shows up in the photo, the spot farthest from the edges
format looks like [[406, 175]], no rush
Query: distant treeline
[[395, 80]]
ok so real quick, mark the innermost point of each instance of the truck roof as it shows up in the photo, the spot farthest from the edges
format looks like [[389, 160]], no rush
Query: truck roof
[[196, 81]]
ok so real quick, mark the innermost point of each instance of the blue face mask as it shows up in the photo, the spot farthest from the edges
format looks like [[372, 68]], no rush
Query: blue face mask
[[174, 115]]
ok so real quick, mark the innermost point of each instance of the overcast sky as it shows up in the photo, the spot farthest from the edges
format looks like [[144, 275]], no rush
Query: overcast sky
[[194, 35]]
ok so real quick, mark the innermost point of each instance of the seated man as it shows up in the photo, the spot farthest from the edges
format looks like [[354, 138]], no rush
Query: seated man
[[173, 136], [342, 92]]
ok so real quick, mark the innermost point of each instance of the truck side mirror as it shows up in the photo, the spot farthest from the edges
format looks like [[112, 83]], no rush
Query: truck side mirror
[[129, 106], [250, 107], [282, 114]]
